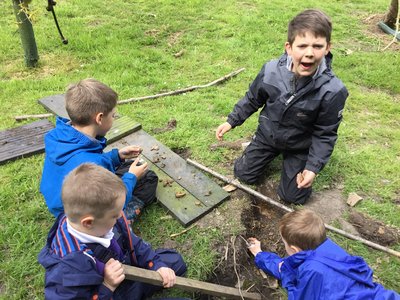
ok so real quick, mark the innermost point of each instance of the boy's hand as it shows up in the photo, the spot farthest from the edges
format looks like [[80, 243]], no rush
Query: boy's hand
[[255, 245], [168, 276], [305, 179], [138, 170], [129, 152], [113, 274], [221, 130]]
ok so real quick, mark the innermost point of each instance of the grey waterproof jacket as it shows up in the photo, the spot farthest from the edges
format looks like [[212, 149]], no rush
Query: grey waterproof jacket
[[297, 114]]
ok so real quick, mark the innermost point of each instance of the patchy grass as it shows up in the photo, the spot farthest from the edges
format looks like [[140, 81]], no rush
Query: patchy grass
[[131, 47]]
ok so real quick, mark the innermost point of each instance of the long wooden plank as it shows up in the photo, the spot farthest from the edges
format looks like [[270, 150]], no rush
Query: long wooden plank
[[23, 141], [191, 285]]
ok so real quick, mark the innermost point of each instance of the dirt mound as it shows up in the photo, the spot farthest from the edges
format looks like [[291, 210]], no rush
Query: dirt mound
[[374, 230]]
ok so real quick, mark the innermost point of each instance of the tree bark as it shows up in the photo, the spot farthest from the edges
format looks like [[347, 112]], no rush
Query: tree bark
[[26, 33], [391, 15]]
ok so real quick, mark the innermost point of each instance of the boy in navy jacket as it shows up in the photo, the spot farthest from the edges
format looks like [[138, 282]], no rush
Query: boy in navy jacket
[[91, 107], [316, 267], [87, 245], [302, 103]]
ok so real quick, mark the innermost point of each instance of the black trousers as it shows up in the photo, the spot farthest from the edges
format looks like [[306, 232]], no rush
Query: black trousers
[[250, 168], [145, 190]]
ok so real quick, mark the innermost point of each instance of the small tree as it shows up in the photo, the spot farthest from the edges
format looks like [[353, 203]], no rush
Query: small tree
[[21, 11], [391, 15]]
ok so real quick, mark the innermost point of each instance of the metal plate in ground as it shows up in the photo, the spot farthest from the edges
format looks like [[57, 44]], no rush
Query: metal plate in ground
[[202, 193], [23, 141]]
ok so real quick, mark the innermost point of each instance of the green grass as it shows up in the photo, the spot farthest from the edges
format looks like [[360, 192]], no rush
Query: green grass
[[130, 46]]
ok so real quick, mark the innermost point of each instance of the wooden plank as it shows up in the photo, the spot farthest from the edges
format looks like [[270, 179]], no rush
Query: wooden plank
[[55, 104], [191, 285], [122, 125], [23, 141], [202, 193]]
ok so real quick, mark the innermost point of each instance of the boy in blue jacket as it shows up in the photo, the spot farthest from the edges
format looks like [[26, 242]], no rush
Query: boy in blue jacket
[[87, 245], [316, 267], [91, 107], [302, 103]]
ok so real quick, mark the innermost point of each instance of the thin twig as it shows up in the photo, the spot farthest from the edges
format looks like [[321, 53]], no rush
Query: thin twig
[[183, 231], [233, 239], [26, 117], [397, 27], [184, 90]]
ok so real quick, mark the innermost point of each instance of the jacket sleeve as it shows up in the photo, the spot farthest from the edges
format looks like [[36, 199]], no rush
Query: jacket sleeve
[[255, 98], [114, 157], [129, 180], [325, 131], [269, 262]]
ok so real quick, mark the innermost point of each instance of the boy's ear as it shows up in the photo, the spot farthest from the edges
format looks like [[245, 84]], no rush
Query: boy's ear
[[288, 48], [328, 48], [87, 222], [99, 118], [295, 249]]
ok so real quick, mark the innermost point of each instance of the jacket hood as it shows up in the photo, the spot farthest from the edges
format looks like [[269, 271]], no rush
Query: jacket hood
[[64, 141], [331, 255]]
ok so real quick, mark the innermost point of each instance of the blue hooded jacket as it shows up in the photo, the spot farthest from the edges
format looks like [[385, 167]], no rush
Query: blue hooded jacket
[[328, 272], [66, 148]]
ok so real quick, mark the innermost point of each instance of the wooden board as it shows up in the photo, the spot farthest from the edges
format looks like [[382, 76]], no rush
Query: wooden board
[[122, 125], [202, 193], [187, 284], [23, 141]]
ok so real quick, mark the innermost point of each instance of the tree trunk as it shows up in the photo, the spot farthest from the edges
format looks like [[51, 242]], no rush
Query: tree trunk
[[391, 15], [26, 33]]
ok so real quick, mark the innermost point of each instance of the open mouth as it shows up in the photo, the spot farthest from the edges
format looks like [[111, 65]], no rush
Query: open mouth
[[306, 66]]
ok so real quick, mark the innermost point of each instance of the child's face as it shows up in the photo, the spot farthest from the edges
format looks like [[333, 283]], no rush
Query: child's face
[[103, 225], [106, 122], [307, 52]]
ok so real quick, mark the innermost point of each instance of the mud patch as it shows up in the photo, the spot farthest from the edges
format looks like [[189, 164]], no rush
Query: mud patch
[[372, 29], [171, 125], [247, 217], [374, 230], [182, 152], [235, 145]]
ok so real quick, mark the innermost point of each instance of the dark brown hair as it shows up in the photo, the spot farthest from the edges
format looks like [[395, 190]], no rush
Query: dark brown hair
[[87, 98], [90, 189], [311, 20], [303, 228]]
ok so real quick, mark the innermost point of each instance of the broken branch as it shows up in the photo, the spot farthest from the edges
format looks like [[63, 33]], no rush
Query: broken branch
[[26, 117], [184, 90]]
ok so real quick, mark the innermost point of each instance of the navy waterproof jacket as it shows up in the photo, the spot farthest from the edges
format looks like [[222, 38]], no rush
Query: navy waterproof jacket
[[297, 114], [66, 148], [73, 272], [328, 273]]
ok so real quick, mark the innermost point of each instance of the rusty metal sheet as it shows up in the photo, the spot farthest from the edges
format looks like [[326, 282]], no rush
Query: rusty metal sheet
[[23, 141]]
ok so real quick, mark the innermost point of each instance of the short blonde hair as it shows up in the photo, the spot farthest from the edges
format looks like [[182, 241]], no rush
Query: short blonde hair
[[87, 98], [90, 189], [303, 228]]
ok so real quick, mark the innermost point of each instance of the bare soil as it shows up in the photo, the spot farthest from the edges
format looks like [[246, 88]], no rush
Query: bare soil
[[247, 216]]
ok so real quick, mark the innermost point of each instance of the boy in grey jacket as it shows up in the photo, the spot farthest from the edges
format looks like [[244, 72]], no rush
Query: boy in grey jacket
[[302, 103]]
